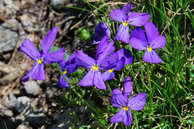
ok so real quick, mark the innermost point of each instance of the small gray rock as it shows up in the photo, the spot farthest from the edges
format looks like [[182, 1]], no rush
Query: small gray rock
[[32, 88], [22, 104], [8, 39], [10, 101], [19, 104], [23, 100], [58, 4], [12, 24], [8, 113], [29, 22], [22, 126], [8, 8], [4, 111]]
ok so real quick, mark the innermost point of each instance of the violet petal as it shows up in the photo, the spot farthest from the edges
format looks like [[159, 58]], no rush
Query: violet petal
[[138, 19], [126, 8], [56, 56], [104, 52], [138, 44], [108, 75], [117, 99], [139, 34], [158, 42], [48, 40], [98, 81], [137, 102], [151, 31], [126, 54], [101, 31], [118, 117], [152, 57], [29, 49], [63, 81], [127, 120], [118, 15], [123, 34], [88, 79], [128, 87], [84, 60]]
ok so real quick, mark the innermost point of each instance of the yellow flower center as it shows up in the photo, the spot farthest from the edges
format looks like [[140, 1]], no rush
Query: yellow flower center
[[125, 23], [64, 72], [95, 68], [110, 70], [149, 49], [40, 61], [126, 108]]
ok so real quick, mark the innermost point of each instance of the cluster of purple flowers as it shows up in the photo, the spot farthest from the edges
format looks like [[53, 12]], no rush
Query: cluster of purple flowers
[[148, 39], [107, 60]]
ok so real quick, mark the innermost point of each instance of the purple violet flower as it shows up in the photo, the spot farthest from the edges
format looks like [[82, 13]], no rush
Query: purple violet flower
[[67, 66], [127, 17], [148, 40], [126, 54], [101, 31], [124, 58], [94, 76], [120, 100], [41, 58]]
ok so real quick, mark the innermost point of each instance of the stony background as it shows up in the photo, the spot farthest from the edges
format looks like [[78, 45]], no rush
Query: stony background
[[32, 105]]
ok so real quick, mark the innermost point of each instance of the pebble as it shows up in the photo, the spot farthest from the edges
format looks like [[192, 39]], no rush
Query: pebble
[[22, 104], [32, 88], [58, 4], [8, 113], [29, 22], [8, 8], [8, 39], [22, 126], [19, 104]]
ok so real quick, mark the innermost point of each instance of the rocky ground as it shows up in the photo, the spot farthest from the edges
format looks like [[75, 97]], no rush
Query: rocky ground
[[32, 105]]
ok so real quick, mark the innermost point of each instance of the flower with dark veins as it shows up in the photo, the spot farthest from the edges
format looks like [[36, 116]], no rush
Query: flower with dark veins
[[123, 56], [95, 66], [126, 17], [121, 100], [148, 40], [67, 67], [42, 57]]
